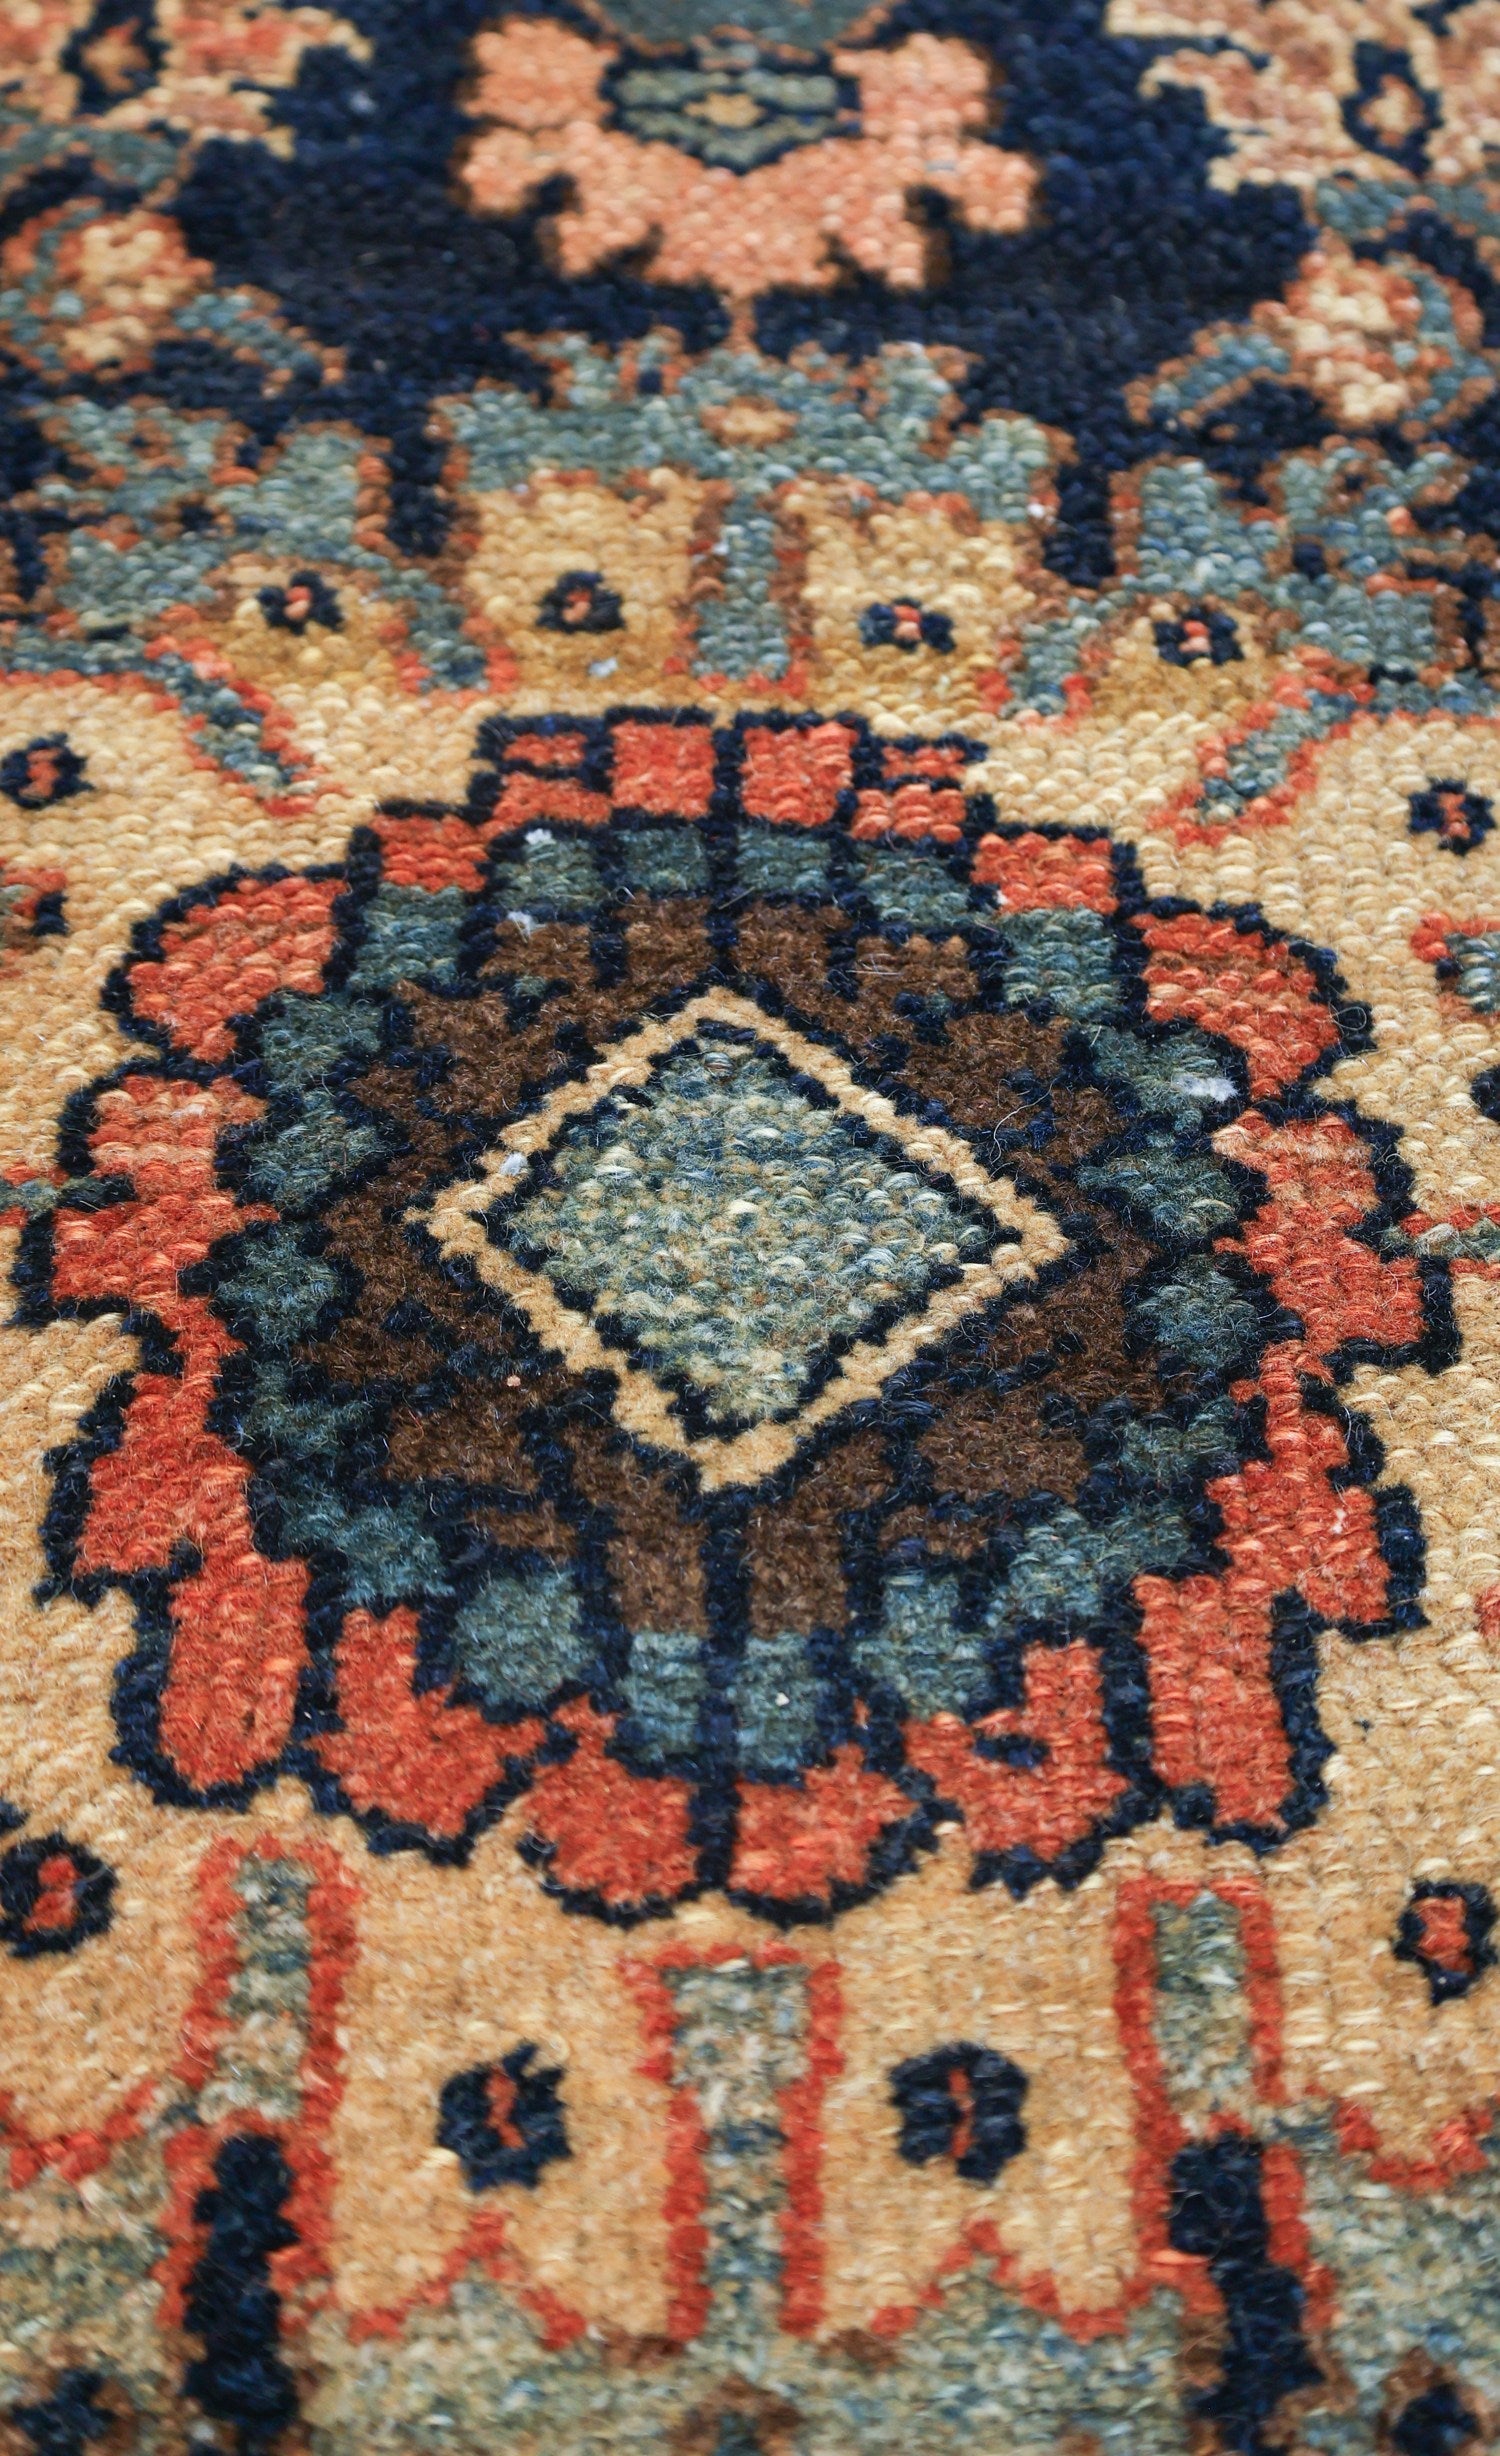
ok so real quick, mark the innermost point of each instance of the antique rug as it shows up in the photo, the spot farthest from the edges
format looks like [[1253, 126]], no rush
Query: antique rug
[[750, 1185]]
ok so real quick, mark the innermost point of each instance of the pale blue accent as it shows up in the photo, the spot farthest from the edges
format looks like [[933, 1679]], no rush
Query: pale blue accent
[[664, 1687], [521, 1637], [776, 1702], [921, 1648]]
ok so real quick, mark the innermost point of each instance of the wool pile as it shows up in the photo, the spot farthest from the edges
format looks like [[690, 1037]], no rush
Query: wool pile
[[750, 1207]]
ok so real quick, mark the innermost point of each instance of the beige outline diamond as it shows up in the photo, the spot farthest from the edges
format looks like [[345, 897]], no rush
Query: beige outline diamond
[[455, 1220]]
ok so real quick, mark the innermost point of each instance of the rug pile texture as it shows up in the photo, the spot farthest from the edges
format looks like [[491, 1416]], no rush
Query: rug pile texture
[[750, 1199]]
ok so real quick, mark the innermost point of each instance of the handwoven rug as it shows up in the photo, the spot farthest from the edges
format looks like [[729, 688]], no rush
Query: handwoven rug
[[750, 1183]]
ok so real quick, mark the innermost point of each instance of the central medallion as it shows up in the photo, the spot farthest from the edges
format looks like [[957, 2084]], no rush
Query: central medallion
[[745, 1237], [740, 1313]]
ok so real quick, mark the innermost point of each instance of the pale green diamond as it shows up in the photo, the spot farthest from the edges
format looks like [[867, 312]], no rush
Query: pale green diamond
[[736, 1230], [723, 1219]]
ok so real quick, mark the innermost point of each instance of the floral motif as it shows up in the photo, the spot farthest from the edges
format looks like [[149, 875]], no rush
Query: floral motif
[[1376, 344], [205, 67], [37, 33], [1306, 88], [556, 105], [498, 1441], [1353, 334], [106, 286]]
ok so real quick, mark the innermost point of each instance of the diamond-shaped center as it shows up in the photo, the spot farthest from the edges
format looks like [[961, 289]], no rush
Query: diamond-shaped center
[[721, 1216], [739, 1229]]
